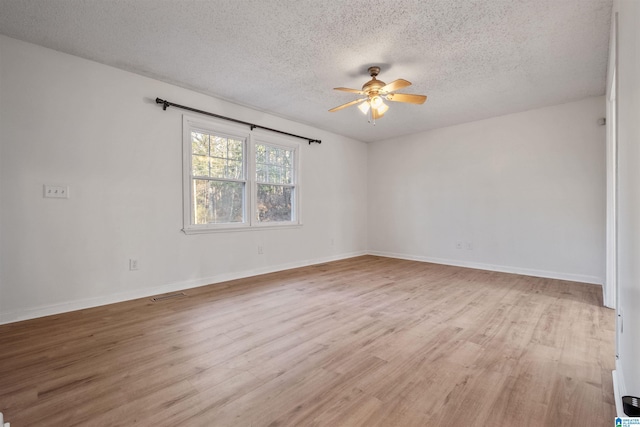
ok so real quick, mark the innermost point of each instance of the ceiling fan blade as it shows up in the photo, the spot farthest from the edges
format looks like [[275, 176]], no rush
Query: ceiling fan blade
[[405, 97], [346, 89], [348, 104], [395, 85]]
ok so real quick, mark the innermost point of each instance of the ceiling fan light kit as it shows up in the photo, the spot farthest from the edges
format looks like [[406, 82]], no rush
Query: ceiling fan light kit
[[376, 92]]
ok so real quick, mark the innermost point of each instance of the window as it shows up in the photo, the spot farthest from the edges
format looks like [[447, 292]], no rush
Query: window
[[234, 179], [218, 178], [274, 180]]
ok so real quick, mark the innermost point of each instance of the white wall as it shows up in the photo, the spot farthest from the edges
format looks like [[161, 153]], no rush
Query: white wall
[[2, 182], [628, 98], [526, 190], [69, 121]]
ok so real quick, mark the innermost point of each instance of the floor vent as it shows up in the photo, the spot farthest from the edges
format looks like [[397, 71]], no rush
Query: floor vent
[[169, 296]]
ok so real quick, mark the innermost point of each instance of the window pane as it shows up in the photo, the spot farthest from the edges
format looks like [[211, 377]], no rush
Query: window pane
[[260, 150], [274, 203], [261, 172], [272, 175], [274, 165], [218, 202], [233, 169], [218, 167], [200, 143], [218, 146], [235, 148], [200, 166]]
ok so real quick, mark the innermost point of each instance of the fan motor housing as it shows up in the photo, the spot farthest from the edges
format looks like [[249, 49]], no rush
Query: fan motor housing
[[373, 86]]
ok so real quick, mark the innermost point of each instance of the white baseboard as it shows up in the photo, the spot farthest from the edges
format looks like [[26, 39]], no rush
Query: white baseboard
[[492, 267], [32, 313], [619, 389], [47, 310], [617, 395]]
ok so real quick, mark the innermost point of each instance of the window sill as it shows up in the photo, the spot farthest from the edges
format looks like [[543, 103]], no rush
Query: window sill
[[231, 229]]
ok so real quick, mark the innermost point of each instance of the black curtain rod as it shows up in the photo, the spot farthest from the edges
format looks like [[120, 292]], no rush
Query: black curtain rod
[[166, 104]]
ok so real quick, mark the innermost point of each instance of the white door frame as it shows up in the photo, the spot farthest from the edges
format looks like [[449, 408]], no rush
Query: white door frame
[[610, 288]]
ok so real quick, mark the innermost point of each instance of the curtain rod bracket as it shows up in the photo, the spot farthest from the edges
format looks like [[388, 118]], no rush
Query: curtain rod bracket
[[166, 104]]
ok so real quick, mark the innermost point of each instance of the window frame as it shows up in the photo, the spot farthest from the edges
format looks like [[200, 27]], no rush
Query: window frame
[[251, 138]]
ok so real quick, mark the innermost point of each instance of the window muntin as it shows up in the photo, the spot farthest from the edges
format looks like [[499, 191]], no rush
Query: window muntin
[[230, 172]]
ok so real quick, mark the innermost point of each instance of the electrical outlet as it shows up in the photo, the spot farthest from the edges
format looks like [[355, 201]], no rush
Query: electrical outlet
[[260, 250], [469, 246], [333, 242], [459, 245], [133, 264], [56, 191]]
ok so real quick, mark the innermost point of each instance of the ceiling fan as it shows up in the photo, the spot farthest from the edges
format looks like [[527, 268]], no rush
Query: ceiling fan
[[376, 91]]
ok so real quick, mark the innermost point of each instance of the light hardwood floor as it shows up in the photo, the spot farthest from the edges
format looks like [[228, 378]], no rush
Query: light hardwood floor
[[367, 341]]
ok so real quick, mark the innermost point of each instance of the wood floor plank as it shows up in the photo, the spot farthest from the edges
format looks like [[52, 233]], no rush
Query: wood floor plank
[[366, 341]]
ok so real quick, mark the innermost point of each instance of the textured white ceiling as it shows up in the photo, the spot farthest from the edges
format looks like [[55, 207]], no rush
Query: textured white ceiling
[[473, 58]]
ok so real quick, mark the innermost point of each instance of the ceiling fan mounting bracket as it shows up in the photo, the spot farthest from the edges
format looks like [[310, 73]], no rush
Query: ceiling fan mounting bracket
[[374, 71]]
